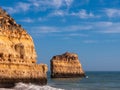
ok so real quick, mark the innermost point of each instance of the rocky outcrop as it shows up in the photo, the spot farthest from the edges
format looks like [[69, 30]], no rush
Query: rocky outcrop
[[17, 54], [65, 66]]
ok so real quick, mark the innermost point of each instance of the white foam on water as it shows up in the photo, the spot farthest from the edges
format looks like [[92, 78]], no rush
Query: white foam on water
[[23, 86]]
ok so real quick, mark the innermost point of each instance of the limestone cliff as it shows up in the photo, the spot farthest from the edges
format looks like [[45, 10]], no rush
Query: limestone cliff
[[66, 65], [17, 53]]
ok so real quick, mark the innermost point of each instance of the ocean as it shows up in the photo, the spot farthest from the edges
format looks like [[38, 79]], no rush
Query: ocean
[[94, 81]]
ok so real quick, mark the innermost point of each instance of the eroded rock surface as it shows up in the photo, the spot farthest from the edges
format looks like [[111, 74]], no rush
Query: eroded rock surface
[[17, 54], [66, 65]]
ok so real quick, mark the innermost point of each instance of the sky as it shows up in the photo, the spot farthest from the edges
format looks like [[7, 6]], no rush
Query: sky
[[90, 28]]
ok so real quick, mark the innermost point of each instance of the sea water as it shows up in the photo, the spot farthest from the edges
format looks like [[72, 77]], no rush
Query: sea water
[[94, 81]]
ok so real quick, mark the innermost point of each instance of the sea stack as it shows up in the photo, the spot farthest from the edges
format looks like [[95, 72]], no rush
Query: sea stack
[[18, 55], [66, 65]]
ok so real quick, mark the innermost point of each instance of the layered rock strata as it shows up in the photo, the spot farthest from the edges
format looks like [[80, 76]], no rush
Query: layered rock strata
[[17, 54], [66, 65]]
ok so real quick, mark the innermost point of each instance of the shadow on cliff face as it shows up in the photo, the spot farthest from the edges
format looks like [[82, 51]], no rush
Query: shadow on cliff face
[[11, 83], [7, 85], [66, 79]]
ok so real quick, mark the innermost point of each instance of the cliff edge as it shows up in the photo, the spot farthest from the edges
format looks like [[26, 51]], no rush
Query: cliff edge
[[66, 65], [17, 54]]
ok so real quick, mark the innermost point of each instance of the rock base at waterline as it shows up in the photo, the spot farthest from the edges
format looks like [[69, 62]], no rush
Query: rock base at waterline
[[12, 73]]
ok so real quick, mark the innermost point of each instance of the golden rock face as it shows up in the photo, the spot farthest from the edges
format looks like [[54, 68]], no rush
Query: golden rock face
[[17, 52], [66, 65], [15, 44]]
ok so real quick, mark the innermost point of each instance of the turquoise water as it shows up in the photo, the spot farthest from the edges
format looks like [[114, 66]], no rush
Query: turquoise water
[[95, 81]]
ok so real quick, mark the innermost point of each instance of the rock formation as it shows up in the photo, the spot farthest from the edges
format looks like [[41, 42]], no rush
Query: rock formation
[[66, 65], [17, 54]]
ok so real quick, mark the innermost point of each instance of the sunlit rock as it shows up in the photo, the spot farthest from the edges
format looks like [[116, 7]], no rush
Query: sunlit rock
[[66, 65], [17, 54]]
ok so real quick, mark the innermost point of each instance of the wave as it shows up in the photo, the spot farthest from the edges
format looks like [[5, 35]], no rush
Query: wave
[[23, 86]]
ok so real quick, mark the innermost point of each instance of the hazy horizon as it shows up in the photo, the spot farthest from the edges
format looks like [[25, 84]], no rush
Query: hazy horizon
[[90, 28]]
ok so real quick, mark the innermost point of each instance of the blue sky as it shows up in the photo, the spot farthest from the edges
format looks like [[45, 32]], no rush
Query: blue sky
[[90, 28]]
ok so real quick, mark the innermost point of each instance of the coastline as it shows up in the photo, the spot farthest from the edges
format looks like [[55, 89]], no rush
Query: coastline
[[97, 80]]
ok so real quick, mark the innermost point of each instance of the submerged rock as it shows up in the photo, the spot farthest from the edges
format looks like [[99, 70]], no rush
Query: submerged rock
[[17, 54], [66, 65]]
